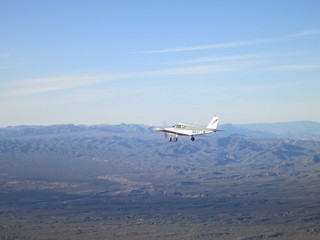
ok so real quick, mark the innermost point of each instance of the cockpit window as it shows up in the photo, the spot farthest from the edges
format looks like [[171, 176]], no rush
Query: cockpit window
[[179, 126]]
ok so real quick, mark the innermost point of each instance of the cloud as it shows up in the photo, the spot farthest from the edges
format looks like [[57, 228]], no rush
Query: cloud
[[294, 67], [39, 85], [4, 55], [236, 44], [306, 33], [230, 64], [203, 69], [42, 85], [220, 59], [7, 67], [98, 94], [255, 87], [202, 47]]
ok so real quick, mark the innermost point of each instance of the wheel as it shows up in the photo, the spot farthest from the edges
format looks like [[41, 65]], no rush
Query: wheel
[[169, 139], [175, 139], [192, 139]]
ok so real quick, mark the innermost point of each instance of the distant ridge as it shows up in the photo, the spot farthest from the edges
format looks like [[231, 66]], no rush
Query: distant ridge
[[298, 129]]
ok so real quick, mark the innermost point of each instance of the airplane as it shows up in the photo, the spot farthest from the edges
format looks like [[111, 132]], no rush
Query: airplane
[[185, 129]]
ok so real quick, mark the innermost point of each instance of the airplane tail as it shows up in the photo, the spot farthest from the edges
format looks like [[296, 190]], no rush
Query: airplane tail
[[213, 123]]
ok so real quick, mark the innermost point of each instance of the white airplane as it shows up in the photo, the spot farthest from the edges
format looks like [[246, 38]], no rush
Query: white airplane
[[185, 129]]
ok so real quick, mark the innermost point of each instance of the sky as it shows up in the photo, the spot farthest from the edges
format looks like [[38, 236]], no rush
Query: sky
[[155, 62]]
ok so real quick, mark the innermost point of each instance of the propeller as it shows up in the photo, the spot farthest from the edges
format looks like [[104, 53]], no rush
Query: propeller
[[164, 125]]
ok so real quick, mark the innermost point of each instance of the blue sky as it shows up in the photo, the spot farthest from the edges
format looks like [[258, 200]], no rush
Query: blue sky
[[150, 62]]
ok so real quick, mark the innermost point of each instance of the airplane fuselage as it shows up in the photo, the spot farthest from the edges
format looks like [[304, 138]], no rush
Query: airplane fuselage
[[186, 129]]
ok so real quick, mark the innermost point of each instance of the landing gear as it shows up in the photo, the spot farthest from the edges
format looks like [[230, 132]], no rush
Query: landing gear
[[174, 139]]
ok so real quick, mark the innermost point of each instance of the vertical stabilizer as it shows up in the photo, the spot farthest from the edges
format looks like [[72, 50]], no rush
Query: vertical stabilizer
[[213, 123]]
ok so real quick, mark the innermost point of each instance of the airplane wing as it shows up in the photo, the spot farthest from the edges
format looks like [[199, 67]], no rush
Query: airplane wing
[[171, 132]]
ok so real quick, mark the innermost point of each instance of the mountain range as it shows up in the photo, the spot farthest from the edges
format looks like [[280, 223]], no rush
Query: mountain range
[[298, 129]]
